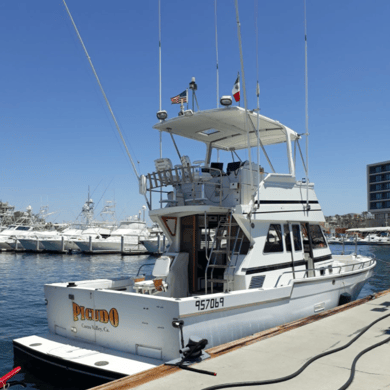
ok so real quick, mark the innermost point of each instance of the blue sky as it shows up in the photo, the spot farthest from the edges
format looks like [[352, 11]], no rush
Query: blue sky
[[57, 136]]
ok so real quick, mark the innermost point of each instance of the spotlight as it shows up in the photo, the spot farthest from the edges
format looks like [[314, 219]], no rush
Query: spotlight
[[226, 100], [162, 115]]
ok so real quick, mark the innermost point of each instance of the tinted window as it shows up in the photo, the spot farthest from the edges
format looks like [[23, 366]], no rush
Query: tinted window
[[317, 238], [296, 237], [274, 242], [287, 239]]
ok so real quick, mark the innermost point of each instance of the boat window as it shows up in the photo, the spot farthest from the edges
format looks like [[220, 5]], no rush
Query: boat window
[[23, 228], [274, 241], [296, 237], [317, 238]]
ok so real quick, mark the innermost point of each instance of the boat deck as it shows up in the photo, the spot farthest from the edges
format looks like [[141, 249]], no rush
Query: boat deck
[[249, 359]]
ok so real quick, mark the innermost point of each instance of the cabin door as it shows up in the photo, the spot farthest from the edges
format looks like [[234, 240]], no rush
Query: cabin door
[[189, 243]]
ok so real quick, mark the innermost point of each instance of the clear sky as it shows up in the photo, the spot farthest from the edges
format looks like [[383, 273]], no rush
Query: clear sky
[[58, 138]]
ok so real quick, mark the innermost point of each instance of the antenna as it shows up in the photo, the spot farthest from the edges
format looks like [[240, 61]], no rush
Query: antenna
[[104, 96], [258, 106], [216, 50], [306, 115], [244, 90]]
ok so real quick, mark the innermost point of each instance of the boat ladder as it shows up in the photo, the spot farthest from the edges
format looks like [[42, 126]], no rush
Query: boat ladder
[[225, 249]]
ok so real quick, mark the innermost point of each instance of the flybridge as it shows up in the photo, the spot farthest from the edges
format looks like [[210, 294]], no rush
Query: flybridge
[[225, 128]]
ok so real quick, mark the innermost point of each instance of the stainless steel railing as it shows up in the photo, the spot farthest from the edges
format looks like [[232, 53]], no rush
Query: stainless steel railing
[[180, 175], [331, 270]]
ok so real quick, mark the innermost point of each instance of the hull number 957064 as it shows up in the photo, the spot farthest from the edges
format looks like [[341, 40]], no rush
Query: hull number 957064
[[213, 303]]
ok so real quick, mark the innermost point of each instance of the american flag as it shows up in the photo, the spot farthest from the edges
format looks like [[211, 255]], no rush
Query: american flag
[[181, 98]]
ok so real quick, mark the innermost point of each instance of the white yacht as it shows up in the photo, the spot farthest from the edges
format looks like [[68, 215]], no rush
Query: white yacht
[[372, 236], [64, 242], [126, 238], [9, 236], [156, 243], [246, 253]]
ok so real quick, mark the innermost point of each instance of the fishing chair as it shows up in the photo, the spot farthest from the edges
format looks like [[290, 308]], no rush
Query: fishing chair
[[158, 284]]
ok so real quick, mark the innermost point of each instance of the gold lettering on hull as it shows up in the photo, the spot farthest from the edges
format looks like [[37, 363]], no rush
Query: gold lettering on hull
[[100, 315]]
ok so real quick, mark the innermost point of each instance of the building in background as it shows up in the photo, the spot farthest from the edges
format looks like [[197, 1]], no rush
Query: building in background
[[378, 192]]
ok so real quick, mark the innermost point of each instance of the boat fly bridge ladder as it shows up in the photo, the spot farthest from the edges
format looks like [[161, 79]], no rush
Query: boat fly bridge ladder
[[226, 246]]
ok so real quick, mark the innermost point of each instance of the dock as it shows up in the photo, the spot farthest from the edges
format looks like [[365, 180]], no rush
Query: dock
[[281, 351]]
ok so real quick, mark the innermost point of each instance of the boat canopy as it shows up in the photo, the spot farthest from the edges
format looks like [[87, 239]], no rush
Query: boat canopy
[[368, 230], [224, 128]]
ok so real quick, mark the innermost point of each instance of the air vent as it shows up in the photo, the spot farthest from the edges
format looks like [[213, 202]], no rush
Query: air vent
[[257, 281]]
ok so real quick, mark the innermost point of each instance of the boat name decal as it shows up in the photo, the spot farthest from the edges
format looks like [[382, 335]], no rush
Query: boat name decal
[[102, 316], [213, 303]]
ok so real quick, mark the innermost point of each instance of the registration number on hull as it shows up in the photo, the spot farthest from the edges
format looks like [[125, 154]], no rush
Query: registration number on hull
[[213, 303]]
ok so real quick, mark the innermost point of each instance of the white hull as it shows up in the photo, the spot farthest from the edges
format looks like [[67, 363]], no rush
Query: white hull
[[239, 314], [107, 245], [30, 244], [56, 245], [153, 245]]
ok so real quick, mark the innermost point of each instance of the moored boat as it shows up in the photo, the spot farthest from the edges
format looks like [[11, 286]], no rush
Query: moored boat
[[246, 253]]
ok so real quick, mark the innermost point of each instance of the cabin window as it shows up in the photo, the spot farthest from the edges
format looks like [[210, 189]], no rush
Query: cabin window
[[274, 242], [296, 237], [317, 238]]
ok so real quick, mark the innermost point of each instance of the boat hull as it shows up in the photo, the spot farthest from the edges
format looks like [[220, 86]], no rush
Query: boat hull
[[107, 245], [141, 324]]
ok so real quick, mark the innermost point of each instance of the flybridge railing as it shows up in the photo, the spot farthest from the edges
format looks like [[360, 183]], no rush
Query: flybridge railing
[[332, 270], [180, 175]]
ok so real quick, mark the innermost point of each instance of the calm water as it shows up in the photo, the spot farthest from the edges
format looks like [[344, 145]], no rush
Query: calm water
[[23, 310]]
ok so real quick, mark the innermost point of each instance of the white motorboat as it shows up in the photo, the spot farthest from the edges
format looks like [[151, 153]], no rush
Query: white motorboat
[[33, 241], [156, 242], [62, 242], [126, 238], [24, 226], [246, 253], [9, 236]]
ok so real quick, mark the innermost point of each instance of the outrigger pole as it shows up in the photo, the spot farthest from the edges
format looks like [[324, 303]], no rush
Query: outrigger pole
[[105, 97]]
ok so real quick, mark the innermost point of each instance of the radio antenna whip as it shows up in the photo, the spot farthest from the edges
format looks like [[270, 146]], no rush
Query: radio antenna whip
[[244, 92], [306, 115]]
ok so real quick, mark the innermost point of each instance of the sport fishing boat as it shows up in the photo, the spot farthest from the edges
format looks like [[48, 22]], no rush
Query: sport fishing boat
[[126, 238], [246, 253]]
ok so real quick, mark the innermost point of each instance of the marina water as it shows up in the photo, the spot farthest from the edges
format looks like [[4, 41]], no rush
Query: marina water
[[23, 310]]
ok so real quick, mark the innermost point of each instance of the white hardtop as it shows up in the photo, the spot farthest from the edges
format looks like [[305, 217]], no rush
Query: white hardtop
[[224, 128]]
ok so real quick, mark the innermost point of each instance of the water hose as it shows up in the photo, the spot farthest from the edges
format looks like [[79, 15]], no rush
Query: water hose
[[296, 373]]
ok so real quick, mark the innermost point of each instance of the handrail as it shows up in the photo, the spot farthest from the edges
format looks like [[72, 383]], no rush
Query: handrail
[[143, 265], [306, 271], [179, 175]]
